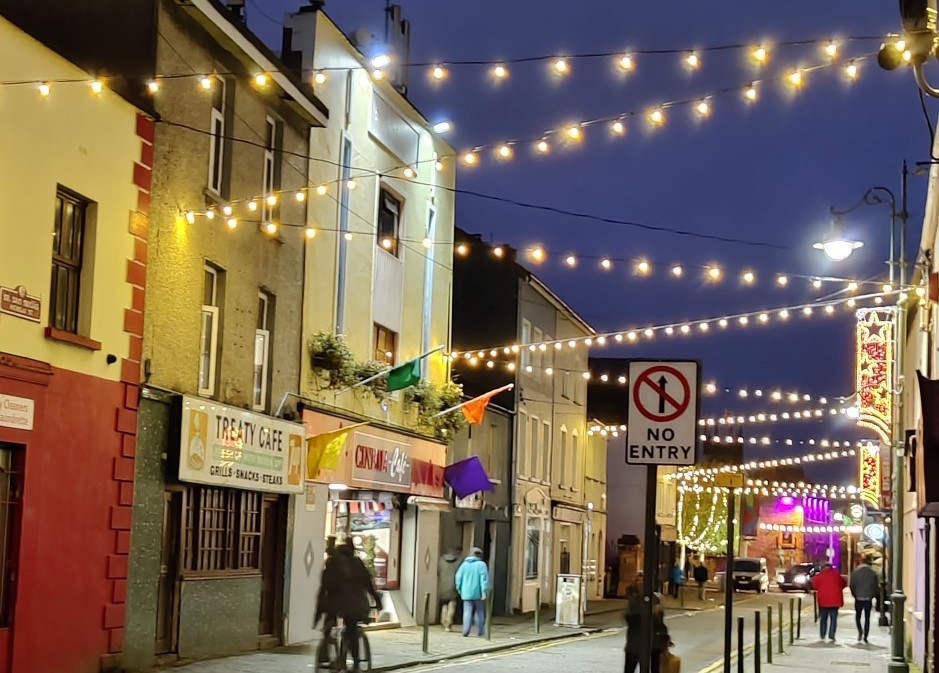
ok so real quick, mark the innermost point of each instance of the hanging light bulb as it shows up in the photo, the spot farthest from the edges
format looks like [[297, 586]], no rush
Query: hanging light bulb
[[231, 222], [97, 86], [319, 77], [500, 71], [378, 75], [606, 264], [351, 184], [649, 333], [574, 133], [851, 70], [618, 128], [561, 67], [703, 108], [427, 243], [44, 89], [322, 189], [261, 80], [191, 217], [538, 254], [210, 214], [300, 196], [438, 72], [571, 261], [817, 283], [153, 86], [677, 271], [205, 83], [469, 158], [409, 172], [438, 166], [498, 251], [795, 78], [272, 200], [656, 117], [347, 235], [760, 55], [693, 61], [643, 268], [782, 281], [750, 93], [831, 50], [626, 63], [714, 273], [226, 210], [310, 232], [505, 151], [462, 249], [748, 278], [542, 146]]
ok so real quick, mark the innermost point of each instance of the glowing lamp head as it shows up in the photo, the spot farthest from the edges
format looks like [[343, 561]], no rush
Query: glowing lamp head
[[626, 63], [500, 72], [439, 72], [442, 127], [381, 61], [838, 249], [561, 66]]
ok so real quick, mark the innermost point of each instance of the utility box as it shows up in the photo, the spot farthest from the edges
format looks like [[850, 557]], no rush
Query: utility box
[[568, 603]]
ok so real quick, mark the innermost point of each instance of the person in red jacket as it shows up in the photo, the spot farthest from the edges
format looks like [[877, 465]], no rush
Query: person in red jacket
[[829, 588]]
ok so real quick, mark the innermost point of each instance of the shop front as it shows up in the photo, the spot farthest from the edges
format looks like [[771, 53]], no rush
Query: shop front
[[385, 495], [210, 538]]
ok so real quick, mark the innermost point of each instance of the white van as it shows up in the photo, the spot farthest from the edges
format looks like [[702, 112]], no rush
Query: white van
[[750, 574]]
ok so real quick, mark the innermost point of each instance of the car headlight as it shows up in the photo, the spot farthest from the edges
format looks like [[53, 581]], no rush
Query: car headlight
[[799, 579], [780, 579]]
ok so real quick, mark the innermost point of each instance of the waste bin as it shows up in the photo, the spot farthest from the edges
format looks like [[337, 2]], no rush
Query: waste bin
[[568, 607]]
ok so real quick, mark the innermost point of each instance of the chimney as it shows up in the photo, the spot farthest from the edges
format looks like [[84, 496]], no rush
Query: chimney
[[399, 41], [237, 9], [299, 36]]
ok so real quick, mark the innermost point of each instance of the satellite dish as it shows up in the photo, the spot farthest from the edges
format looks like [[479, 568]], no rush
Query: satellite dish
[[363, 37]]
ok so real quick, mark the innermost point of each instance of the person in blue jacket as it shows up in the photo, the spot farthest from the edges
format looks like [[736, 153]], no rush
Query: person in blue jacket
[[472, 583]]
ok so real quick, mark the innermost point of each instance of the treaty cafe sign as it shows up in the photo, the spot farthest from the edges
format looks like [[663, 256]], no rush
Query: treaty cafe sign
[[228, 446]]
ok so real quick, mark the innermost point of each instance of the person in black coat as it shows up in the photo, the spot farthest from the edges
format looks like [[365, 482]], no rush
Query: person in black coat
[[345, 591]]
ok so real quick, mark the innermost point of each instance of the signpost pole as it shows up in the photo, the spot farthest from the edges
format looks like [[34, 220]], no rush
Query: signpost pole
[[649, 562], [729, 583]]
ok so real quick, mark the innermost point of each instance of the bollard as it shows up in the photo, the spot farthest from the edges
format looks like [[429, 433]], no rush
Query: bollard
[[538, 610], [756, 641], [426, 643], [489, 603], [799, 623], [769, 634], [739, 644], [792, 620], [815, 605], [779, 629]]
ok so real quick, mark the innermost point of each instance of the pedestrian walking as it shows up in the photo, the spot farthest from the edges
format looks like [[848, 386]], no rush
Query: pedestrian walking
[[865, 585], [633, 623], [675, 580], [701, 577], [446, 587], [472, 583], [661, 640], [829, 586]]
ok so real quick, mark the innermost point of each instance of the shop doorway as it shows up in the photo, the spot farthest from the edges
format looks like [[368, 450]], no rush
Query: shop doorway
[[168, 586], [12, 461], [273, 542]]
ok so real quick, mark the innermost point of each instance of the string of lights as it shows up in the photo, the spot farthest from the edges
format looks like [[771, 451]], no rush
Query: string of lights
[[786, 528], [704, 325], [769, 441], [690, 474]]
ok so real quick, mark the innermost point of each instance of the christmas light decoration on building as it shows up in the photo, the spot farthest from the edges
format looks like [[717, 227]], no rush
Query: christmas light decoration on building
[[786, 528]]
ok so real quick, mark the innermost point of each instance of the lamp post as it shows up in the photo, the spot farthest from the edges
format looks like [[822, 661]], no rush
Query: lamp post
[[839, 249]]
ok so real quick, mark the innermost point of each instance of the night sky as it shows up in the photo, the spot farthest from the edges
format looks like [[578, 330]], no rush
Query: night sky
[[765, 172]]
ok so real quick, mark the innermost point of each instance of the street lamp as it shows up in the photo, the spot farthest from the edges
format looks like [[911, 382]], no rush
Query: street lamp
[[898, 263], [836, 246]]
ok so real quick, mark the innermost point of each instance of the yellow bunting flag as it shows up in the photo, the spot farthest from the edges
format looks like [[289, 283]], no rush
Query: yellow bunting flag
[[325, 450]]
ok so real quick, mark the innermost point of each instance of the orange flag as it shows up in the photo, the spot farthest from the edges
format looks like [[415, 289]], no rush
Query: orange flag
[[475, 409]]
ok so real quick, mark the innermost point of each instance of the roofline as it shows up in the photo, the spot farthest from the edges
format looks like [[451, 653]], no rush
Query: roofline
[[559, 303], [385, 85], [256, 50]]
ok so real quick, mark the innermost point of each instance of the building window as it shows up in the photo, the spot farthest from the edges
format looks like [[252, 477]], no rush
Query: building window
[[575, 460], [562, 459], [208, 340], [11, 478], [534, 438], [68, 242], [262, 350], [566, 385], [386, 344], [273, 149], [526, 339], [222, 530], [532, 548], [545, 452], [217, 136], [389, 221]]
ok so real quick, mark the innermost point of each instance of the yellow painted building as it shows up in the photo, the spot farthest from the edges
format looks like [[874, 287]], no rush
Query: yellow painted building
[[74, 169], [378, 273]]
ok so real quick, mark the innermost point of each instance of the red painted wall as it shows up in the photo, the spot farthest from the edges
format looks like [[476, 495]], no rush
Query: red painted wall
[[68, 570]]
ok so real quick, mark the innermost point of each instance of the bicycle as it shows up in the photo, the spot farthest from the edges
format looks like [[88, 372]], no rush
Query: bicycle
[[339, 652]]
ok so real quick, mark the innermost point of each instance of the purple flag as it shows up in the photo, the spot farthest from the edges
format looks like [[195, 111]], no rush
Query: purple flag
[[467, 477]]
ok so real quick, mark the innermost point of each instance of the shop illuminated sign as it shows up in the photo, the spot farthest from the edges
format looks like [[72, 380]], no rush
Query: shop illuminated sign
[[381, 461], [869, 474], [875, 330]]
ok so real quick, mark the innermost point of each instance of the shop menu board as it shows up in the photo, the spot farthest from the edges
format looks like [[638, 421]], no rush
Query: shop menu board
[[228, 446]]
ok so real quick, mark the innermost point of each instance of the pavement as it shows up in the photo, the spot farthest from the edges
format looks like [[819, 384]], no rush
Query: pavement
[[395, 649], [846, 654]]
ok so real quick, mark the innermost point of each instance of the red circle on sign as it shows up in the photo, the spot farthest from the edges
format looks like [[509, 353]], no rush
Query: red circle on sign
[[646, 379]]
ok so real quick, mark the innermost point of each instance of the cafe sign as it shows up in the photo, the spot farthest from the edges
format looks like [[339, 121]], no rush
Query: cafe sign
[[381, 461], [228, 446]]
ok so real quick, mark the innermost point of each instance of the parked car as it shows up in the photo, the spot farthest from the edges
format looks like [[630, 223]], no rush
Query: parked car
[[751, 574], [797, 578]]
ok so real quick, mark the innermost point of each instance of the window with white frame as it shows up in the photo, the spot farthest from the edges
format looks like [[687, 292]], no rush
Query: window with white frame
[[521, 450], [532, 548], [389, 220], [269, 197], [208, 340], [526, 339], [263, 335], [534, 441], [575, 460], [537, 357], [579, 385], [562, 458], [217, 134], [545, 452], [566, 382]]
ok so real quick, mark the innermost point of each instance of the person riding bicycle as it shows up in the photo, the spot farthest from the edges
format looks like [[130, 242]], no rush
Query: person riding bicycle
[[345, 590], [323, 609]]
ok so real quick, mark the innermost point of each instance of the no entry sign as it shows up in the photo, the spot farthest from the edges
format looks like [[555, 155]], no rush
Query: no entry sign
[[662, 427]]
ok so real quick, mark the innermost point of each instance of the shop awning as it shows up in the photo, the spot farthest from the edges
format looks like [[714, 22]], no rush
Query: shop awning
[[429, 504]]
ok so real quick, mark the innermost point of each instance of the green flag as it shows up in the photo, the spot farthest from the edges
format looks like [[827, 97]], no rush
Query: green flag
[[404, 376]]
